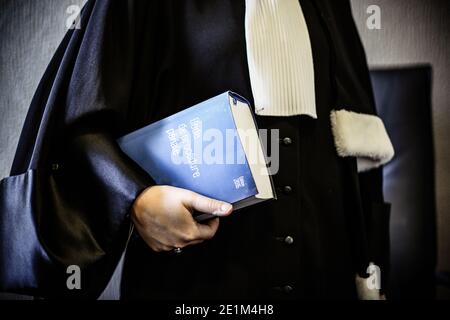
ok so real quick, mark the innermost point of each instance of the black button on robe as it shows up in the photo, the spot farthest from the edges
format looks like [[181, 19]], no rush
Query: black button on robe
[[135, 62]]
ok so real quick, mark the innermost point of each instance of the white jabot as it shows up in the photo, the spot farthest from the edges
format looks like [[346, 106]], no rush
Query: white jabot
[[280, 58]]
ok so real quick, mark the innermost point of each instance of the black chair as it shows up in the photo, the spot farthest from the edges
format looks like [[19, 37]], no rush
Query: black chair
[[403, 98]]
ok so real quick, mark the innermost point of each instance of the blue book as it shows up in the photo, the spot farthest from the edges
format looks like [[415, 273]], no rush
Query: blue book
[[211, 148]]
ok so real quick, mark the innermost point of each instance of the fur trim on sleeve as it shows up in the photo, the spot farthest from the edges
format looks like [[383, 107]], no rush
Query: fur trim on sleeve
[[362, 136]]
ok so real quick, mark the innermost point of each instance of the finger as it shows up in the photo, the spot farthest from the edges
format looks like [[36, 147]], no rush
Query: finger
[[204, 204], [159, 246], [191, 243], [187, 244], [206, 231]]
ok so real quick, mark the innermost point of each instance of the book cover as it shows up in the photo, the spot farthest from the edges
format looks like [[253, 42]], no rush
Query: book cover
[[196, 149]]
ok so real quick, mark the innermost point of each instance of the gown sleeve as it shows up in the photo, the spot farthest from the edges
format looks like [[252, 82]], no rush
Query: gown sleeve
[[360, 133], [68, 198]]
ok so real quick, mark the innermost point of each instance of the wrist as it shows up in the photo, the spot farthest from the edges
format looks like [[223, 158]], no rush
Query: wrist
[[138, 204]]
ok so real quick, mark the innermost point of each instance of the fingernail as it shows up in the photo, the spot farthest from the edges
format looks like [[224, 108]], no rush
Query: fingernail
[[224, 208]]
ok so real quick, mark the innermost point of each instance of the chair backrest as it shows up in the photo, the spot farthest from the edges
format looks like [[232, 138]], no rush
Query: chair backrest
[[403, 98]]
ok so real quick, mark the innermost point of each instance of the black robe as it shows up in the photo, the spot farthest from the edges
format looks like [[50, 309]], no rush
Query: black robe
[[68, 199]]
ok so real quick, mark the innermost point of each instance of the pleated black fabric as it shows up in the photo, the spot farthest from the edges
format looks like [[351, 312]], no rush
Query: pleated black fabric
[[135, 62]]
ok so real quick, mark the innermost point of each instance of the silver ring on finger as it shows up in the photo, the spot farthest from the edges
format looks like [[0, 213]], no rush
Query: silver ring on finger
[[177, 250]]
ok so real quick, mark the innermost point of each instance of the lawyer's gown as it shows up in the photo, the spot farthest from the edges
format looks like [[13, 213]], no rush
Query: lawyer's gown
[[135, 62]]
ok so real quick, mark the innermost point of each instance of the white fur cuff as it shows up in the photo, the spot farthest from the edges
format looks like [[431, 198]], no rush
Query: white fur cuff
[[364, 292], [363, 136]]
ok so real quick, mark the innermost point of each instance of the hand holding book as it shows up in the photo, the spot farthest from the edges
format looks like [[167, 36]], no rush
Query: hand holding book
[[163, 217], [192, 169]]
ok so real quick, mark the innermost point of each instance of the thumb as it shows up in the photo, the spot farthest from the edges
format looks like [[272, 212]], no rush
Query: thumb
[[207, 205]]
